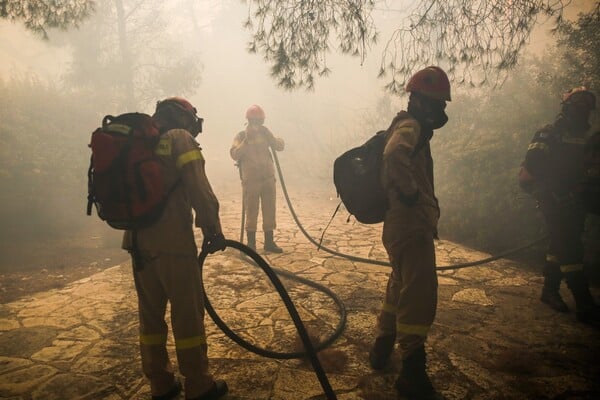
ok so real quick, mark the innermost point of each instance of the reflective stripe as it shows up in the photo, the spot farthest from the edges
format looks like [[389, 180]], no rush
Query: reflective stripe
[[551, 258], [191, 342], [420, 330], [190, 156], [256, 140], [405, 129], [571, 268], [388, 308], [119, 128], [153, 340], [163, 148], [538, 145]]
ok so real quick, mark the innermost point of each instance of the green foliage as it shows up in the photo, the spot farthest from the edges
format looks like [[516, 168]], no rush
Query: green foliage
[[294, 35], [478, 42], [43, 158], [39, 16], [579, 50], [125, 56], [478, 155]]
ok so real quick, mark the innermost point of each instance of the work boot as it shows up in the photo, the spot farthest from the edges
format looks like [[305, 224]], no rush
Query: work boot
[[270, 244], [381, 351], [590, 315], [550, 292], [171, 394], [586, 310], [251, 240], [413, 382], [553, 299], [218, 390]]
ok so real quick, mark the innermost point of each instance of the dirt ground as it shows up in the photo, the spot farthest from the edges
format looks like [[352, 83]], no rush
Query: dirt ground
[[28, 267]]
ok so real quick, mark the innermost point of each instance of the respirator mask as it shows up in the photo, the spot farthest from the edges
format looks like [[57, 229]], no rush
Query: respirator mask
[[429, 112]]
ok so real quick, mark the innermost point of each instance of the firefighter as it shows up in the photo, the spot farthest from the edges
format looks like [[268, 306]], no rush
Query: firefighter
[[552, 172], [591, 174], [251, 150], [167, 267], [591, 201], [409, 230]]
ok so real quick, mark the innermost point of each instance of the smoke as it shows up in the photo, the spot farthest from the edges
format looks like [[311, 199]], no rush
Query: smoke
[[45, 124]]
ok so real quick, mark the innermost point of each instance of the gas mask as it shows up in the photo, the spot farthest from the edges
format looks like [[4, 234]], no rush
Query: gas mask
[[437, 118], [177, 117], [195, 127], [429, 112]]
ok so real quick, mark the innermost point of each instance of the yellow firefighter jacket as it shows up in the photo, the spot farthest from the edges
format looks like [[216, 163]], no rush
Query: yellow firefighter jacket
[[408, 167], [251, 150]]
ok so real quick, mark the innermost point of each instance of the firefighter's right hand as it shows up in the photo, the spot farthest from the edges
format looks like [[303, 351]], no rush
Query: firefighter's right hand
[[213, 243]]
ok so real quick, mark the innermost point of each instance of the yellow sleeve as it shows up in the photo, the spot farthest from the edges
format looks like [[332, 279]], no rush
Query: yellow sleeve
[[190, 162], [238, 148], [397, 157], [276, 143]]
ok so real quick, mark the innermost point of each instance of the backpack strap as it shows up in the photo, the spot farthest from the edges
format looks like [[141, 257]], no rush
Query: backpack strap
[[423, 139], [90, 197], [329, 223]]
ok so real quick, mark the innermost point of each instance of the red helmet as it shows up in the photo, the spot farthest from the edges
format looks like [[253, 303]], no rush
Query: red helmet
[[580, 96], [255, 112], [179, 113], [431, 82], [181, 102]]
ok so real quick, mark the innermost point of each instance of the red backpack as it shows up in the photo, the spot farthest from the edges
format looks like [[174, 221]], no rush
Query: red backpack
[[125, 180]]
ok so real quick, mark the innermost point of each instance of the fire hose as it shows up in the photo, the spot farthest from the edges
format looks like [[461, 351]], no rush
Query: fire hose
[[386, 263], [272, 273], [311, 349]]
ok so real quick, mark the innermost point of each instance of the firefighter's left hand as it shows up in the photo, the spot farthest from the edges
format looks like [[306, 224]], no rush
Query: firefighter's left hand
[[214, 243]]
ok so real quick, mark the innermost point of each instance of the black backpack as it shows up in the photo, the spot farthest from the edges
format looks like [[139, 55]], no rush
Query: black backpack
[[357, 178]]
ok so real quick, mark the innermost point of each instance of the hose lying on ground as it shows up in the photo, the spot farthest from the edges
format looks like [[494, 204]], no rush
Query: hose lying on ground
[[386, 263], [311, 350]]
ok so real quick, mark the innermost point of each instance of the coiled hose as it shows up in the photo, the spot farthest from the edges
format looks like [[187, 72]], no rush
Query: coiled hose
[[311, 350]]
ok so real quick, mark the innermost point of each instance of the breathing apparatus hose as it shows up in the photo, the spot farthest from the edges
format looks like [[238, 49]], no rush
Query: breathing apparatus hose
[[311, 350], [385, 263]]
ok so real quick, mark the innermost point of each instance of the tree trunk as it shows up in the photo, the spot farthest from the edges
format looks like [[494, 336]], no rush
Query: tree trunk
[[130, 103]]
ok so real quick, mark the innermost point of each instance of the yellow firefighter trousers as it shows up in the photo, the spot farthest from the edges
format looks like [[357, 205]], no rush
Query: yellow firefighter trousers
[[411, 296], [173, 278], [261, 192]]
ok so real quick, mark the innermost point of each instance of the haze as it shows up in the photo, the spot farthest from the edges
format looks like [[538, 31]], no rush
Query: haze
[[344, 109]]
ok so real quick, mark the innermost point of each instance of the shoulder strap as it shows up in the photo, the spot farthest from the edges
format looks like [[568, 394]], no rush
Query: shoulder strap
[[420, 144]]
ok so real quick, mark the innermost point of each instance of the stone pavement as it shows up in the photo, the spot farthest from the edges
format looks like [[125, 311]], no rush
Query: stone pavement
[[492, 338]]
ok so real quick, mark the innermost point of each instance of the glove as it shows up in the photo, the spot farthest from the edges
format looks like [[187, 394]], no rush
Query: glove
[[408, 200], [213, 243]]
